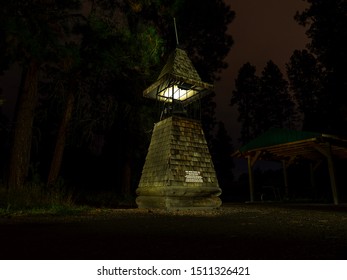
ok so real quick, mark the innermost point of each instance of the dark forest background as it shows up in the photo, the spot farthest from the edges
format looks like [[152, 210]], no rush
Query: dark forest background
[[81, 127]]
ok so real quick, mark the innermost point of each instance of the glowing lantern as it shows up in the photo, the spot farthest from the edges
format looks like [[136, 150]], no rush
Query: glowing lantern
[[178, 82]]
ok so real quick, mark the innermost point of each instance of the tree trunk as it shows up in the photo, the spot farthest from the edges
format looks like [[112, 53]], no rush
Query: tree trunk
[[61, 141], [19, 158], [126, 175]]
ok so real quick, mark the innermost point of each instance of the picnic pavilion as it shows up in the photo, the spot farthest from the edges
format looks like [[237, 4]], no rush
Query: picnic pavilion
[[291, 146]]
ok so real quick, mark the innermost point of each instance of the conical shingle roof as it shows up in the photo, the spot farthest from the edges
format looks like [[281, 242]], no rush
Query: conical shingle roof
[[179, 70], [180, 66]]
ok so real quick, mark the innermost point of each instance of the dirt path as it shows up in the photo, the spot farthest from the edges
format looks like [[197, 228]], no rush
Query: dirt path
[[233, 232]]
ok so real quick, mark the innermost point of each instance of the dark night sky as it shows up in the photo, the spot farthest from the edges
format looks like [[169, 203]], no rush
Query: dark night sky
[[262, 30]]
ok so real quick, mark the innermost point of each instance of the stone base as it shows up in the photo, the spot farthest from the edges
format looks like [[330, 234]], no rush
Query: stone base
[[178, 202]]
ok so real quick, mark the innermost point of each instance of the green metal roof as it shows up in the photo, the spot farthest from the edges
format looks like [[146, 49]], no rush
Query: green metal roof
[[277, 136], [285, 144]]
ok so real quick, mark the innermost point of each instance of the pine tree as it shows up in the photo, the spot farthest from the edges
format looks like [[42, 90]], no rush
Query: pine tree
[[274, 105], [306, 82], [326, 24], [244, 94]]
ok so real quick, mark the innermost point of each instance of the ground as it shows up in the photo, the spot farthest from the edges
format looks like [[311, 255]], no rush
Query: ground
[[235, 231]]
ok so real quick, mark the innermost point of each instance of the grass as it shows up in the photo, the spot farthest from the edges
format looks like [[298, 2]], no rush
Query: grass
[[36, 199], [105, 199], [53, 211]]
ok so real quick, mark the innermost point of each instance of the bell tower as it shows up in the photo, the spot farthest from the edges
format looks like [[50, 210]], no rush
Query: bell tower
[[178, 171]]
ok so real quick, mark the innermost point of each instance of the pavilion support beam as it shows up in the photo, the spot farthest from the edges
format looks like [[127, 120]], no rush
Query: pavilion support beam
[[328, 154], [332, 175], [285, 165], [313, 168], [250, 179], [251, 161], [312, 180], [285, 176]]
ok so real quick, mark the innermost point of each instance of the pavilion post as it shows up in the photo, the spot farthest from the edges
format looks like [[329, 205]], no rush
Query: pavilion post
[[251, 178], [285, 176], [312, 180], [328, 154], [332, 174], [312, 176], [313, 168]]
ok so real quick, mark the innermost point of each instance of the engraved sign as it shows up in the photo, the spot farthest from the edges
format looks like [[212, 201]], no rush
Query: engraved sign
[[193, 177]]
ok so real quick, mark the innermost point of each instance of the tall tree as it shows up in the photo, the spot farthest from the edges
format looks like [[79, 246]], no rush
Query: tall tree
[[274, 104], [69, 91], [243, 96], [306, 82], [326, 24]]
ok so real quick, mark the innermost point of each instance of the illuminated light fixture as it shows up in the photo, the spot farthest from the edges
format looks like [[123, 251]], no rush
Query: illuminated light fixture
[[178, 81]]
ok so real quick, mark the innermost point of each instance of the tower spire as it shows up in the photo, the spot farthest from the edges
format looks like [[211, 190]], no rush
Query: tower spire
[[176, 33]]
